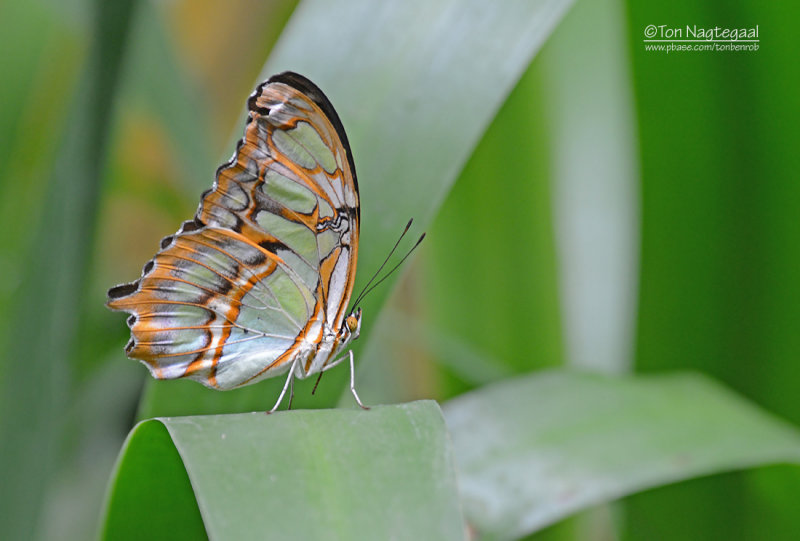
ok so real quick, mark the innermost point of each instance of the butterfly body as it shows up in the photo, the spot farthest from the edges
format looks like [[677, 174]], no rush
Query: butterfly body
[[259, 281]]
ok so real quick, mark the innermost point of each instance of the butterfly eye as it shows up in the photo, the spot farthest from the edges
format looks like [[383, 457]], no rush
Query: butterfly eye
[[352, 323]]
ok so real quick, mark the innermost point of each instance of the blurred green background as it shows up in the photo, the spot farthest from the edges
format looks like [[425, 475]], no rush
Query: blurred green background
[[627, 210]]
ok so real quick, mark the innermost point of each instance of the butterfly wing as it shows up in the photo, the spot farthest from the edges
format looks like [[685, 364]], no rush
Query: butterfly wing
[[266, 268]]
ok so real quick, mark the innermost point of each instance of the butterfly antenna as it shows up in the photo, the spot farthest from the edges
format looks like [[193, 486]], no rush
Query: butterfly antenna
[[396, 244], [376, 284]]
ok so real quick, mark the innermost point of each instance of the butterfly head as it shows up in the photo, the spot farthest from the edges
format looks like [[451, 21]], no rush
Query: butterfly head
[[352, 325]]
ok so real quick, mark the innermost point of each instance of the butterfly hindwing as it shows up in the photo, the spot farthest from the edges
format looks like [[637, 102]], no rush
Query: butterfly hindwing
[[267, 265]]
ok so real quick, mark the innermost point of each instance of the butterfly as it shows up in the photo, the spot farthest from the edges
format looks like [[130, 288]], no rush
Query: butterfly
[[258, 283]]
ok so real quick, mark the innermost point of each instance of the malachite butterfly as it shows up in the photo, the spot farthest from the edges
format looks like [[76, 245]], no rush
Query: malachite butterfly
[[258, 283]]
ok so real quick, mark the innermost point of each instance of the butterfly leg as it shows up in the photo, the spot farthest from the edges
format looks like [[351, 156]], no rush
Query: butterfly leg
[[353, 383], [289, 381], [333, 363], [352, 376]]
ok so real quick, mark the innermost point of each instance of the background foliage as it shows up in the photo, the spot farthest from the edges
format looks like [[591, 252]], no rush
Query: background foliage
[[626, 211]]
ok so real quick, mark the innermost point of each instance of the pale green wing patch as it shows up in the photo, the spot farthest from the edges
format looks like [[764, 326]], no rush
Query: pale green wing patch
[[303, 145], [292, 149], [290, 193], [293, 299], [296, 236], [326, 242], [325, 210]]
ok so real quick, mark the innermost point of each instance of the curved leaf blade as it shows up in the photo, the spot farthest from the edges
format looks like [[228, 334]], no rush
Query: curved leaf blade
[[150, 495], [386, 473], [535, 449]]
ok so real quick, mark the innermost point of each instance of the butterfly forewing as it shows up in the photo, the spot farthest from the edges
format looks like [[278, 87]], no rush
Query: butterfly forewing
[[266, 268]]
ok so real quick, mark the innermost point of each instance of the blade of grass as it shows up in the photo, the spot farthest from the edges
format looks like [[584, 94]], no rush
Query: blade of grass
[[36, 380], [589, 108], [37, 35]]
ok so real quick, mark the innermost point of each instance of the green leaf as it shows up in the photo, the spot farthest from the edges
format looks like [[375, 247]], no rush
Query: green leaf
[[152, 495], [41, 334], [536, 449], [720, 252], [416, 85], [386, 473]]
